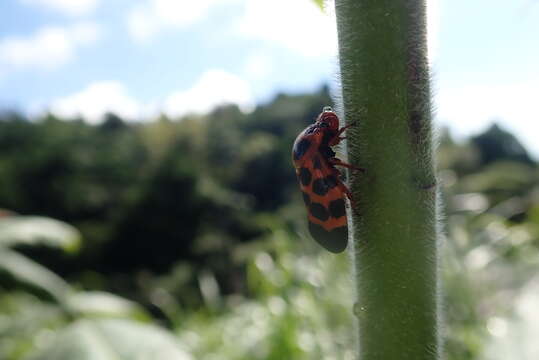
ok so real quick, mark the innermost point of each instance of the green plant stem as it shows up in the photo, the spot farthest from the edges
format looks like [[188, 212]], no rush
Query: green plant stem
[[385, 87]]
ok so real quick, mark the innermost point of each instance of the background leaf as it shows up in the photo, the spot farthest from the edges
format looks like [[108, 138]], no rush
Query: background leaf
[[18, 270], [37, 230], [320, 3], [112, 339], [100, 303]]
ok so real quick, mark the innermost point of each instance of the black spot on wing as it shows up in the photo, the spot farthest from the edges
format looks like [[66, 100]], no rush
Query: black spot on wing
[[319, 211], [331, 181], [336, 208], [317, 164], [305, 176], [300, 148], [326, 151], [334, 241], [321, 186]]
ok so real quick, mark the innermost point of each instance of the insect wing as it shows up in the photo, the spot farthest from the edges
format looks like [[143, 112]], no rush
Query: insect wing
[[325, 204], [334, 240]]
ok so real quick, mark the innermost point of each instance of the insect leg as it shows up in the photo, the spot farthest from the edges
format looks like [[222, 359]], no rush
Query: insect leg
[[339, 162], [338, 138], [341, 130], [342, 186]]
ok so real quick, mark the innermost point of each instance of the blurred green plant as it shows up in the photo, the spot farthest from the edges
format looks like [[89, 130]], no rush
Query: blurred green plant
[[16, 270], [249, 284], [319, 3], [296, 310], [43, 317]]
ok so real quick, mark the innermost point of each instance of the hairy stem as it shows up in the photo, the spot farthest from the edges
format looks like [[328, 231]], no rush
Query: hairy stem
[[385, 87]]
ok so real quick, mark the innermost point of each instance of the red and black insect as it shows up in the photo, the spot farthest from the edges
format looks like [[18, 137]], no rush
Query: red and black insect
[[320, 181]]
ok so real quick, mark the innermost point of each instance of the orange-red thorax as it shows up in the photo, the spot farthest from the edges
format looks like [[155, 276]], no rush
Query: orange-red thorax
[[315, 138], [330, 119]]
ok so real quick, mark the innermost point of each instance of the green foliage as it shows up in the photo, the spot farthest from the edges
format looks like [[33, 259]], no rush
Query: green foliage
[[34, 230], [298, 309], [111, 339], [16, 269], [491, 249], [30, 231], [319, 3], [146, 196], [193, 236], [57, 321]]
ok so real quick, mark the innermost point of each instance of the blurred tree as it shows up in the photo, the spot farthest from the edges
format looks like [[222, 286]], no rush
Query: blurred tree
[[162, 224], [112, 122], [497, 144]]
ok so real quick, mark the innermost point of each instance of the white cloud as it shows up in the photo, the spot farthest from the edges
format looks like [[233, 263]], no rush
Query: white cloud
[[147, 19], [301, 26], [69, 7], [84, 33], [215, 87], [298, 25], [95, 100], [181, 13], [48, 48], [141, 24], [470, 109]]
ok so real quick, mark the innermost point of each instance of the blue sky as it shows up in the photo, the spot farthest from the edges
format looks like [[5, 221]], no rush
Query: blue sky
[[140, 58]]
